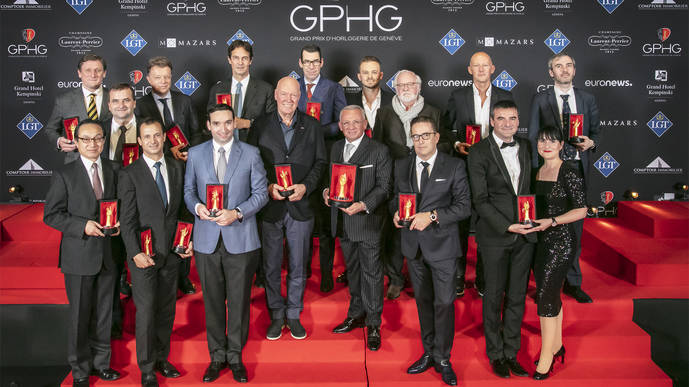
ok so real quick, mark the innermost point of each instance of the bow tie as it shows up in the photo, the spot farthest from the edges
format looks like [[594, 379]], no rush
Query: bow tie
[[507, 144]]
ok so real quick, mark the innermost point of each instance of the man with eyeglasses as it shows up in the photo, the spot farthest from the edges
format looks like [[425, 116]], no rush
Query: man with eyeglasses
[[392, 128], [88, 101], [86, 257], [431, 242]]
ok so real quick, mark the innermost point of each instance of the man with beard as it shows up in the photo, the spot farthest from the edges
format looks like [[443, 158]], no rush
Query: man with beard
[[371, 97]]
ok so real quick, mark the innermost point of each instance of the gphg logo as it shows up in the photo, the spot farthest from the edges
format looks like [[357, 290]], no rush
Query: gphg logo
[[186, 8], [505, 6], [662, 48], [302, 15], [25, 49]]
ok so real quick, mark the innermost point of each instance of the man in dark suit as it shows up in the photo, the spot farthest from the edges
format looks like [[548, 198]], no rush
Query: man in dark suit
[[72, 208], [88, 101], [288, 136], [329, 97], [550, 108], [500, 171], [471, 106], [371, 97], [431, 242], [226, 246], [150, 191], [251, 97], [359, 226], [392, 129], [171, 108]]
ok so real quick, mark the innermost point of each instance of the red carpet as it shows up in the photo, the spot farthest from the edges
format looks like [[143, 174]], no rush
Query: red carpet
[[604, 347]]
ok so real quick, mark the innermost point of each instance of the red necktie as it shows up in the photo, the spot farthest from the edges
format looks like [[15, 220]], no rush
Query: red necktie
[[308, 91]]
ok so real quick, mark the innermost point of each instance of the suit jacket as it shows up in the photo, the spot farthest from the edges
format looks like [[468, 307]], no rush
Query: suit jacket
[[71, 104], [259, 98], [142, 206], [355, 99], [389, 130], [494, 198], [460, 109], [331, 97], [544, 112], [447, 192], [373, 186], [245, 187], [69, 204], [182, 111], [306, 155]]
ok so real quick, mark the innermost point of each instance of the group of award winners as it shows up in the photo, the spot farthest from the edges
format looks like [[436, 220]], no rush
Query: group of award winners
[[144, 190]]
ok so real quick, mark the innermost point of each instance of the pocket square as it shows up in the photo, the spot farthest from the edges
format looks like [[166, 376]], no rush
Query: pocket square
[[440, 179], [366, 166]]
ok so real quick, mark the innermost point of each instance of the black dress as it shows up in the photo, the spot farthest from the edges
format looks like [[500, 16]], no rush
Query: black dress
[[556, 245]]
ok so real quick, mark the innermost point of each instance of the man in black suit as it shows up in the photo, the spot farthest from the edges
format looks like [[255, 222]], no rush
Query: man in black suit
[[150, 191], [550, 108], [431, 242], [288, 136], [88, 101], [251, 97], [72, 208], [392, 129], [500, 171], [359, 226], [371, 97], [471, 106], [171, 108]]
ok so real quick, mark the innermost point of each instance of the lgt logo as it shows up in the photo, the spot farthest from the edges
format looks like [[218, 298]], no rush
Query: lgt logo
[[606, 164], [79, 5], [187, 84], [29, 126], [133, 42], [294, 75], [240, 35], [391, 82], [557, 41], [504, 81], [451, 42], [659, 124], [610, 5]]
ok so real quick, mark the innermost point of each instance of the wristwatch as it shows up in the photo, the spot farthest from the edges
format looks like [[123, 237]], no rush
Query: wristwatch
[[554, 221], [434, 216], [240, 216]]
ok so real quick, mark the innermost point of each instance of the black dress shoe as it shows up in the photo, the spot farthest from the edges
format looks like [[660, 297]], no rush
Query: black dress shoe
[[349, 324], [186, 286], [108, 374], [309, 272], [578, 294], [444, 368], [239, 372], [539, 376], [421, 365], [500, 368], [327, 282], [213, 371], [166, 369], [373, 338], [479, 289], [394, 291], [515, 367], [80, 382], [260, 282], [342, 278], [149, 380]]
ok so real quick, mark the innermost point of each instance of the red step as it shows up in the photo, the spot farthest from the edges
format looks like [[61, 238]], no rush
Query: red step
[[662, 219], [28, 226]]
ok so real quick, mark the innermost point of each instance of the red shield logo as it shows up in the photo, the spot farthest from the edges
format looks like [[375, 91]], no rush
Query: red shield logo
[[606, 197], [28, 34], [135, 76], [664, 33]]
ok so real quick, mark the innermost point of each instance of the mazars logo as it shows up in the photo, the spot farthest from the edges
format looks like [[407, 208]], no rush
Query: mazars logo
[[610, 5], [451, 42], [659, 124], [305, 18], [79, 5], [240, 35], [187, 84], [662, 48], [606, 164], [504, 81], [557, 41], [29, 125], [133, 42]]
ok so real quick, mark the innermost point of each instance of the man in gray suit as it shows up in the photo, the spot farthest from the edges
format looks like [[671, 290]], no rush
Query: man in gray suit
[[359, 225], [88, 101]]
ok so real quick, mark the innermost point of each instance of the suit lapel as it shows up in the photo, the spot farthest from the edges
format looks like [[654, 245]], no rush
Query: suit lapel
[[83, 175], [499, 161], [210, 165], [469, 104], [177, 111], [79, 100], [154, 111], [233, 162], [523, 166], [298, 132], [172, 183], [437, 167], [580, 102], [104, 104], [412, 175], [248, 97], [108, 180], [552, 101], [360, 150]]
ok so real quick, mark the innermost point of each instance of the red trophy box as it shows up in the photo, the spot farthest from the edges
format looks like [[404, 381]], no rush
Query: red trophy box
[[215, 195], [473, 134], [176, 137], [147, 242], [283, 174], [406, 208], [182, 237], [223, 99], [108, 215], [342, 183], [130, 153], [70, 126], [576, 128], [314, 110], [526, 208]]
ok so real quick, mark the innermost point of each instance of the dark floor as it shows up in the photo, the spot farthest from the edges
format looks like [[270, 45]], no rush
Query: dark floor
[[47, 376]]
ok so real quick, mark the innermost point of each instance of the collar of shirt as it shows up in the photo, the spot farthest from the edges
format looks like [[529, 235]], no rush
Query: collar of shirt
[[571, 100], [244, 82], [476, 92], [430, 161], [559, 92], [149, 161], [167, 95], [227, 148], [282, 123], [115, 126], [355, 143], [500, 142], [87, 163], [98, 92], [315, 83]]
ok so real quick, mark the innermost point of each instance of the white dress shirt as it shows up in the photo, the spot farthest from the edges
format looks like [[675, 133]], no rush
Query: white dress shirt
[[510, 155], [572, 108], [99, 98], [356, 146], [159, 105], [216, 158], [315, 84], [163, 171], [87, 164], [233, 91], [419, 167], [373, 110], [482, 111]]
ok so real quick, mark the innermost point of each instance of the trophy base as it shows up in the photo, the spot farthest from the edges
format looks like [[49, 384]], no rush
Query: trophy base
[[109, 231], [339, 204], [213, 213], [286, 194], [404, 223], [576, 140], [531, 223], [179, 250]]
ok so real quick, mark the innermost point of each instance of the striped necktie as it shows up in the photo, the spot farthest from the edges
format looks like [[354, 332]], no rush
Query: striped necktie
[[91, 111]]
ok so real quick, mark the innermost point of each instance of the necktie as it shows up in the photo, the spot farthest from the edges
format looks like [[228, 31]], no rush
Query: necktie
[[568, 152], [97, 187], [222, 164], [508, 144], [238, 100], [120, 143], [424, 176], [565, 108], [166, 113], [92, 111], [308, 91], [160, 183], [348, 152]]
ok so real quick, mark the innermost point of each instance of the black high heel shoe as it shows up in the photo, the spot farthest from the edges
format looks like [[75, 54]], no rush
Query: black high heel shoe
[[559, 353], [539, 376]]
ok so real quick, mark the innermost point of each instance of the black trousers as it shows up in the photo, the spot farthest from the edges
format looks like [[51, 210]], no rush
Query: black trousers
[[393, 260], [365, 276], [464, 231]]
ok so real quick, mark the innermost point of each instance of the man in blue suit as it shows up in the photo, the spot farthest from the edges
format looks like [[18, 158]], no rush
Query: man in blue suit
[[227, 245], [322, 99]]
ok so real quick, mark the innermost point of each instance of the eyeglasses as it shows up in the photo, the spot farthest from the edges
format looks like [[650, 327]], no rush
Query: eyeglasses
[[426, 136], [95, 140], [406, 85], [315, 62]]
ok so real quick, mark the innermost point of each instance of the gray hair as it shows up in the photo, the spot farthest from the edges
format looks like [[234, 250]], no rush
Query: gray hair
[[353, 107], [558, 56], [418, 78]]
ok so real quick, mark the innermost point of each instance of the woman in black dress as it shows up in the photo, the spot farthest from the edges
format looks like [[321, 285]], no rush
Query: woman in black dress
[[561, 200]]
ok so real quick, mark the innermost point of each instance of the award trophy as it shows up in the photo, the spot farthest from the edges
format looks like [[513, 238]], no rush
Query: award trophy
[[176, 137], [527, 210], [214, 198], [108, 215], [342, 183], [130, 153], [406, 208], [576, 127], [314, 110], [70, 126], [473, 134], [223, 99], [146, 237], [283, 174], [182, 237]]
